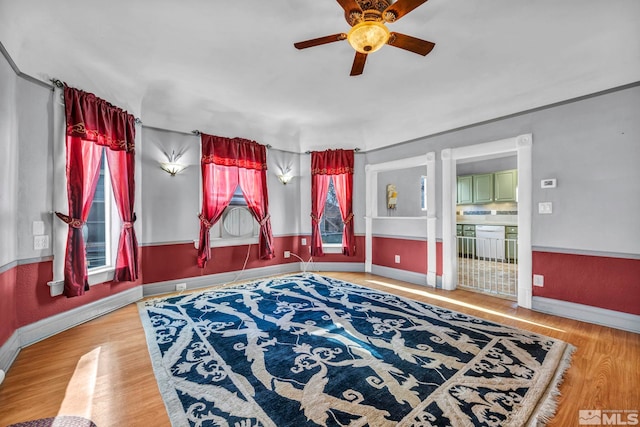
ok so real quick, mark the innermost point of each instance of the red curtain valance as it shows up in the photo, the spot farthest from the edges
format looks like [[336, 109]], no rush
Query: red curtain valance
[[94, 119], [332, 162], [239, 152]]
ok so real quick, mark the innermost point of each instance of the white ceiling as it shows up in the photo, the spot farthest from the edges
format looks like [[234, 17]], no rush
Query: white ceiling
[[230, 68]]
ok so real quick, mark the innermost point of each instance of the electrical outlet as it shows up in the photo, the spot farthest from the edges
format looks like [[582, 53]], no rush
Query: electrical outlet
[[538, 280], [304, 241], [181, 287], [397, 259], [287, 254], [40, 242]]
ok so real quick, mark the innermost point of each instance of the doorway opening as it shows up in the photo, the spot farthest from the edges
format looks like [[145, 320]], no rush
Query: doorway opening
[[520, 147], [487, 225]]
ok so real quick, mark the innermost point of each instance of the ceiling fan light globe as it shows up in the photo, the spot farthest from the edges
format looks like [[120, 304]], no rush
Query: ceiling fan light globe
[[368, 36]]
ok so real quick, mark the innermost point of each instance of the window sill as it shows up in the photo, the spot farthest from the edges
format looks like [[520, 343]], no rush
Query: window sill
[[224, 242], [332, 248], [97, 276]]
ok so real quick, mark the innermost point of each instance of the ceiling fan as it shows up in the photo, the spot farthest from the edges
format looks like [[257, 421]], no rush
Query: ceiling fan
[[368, 32]]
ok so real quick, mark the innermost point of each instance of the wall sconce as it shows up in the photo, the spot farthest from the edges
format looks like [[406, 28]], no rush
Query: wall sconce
[[172, 167], [285, 176]]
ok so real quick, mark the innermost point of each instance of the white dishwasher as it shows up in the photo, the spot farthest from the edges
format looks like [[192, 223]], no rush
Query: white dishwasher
[[490, 242]]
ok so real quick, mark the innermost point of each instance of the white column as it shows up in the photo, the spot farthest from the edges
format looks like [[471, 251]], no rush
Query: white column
[[525, 208], [432, 219], [449, 255]]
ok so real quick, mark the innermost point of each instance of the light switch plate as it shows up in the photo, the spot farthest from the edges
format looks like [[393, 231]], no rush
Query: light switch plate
[[545, 208], [38, 228]]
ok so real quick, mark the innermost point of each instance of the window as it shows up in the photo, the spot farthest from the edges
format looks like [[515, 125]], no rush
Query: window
[[423, 193], [238, 198], [331, 224], [237, 226], [96, 231]]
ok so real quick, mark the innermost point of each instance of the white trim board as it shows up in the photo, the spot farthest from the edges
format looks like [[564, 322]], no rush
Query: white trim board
[[587, 313], [200, 282], [403, 275], [45, 328], [521, 146], [427, 160]]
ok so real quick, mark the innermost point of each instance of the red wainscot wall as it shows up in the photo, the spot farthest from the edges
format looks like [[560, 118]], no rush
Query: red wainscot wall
[[178, 261], [413, 254], [605, 282], [8, 315], [33, 301], [25, 297]]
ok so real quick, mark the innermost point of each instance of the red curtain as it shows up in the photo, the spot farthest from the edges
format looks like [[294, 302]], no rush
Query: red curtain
[[91, 124], [336, 164], [227, 162], [319, 190]]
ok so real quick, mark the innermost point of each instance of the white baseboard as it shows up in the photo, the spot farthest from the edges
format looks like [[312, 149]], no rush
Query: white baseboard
[[37, 331], [9, 351], [397, 274], [587, 313], [335, 266], [159, 288]]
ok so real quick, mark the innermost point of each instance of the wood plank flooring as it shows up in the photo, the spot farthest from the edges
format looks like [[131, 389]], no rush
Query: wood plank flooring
[[101, 369]]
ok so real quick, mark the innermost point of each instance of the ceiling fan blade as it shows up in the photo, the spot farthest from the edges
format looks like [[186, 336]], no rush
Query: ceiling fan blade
[[412, 44], [400, 8], [358, 64], [350, 5], [320, 40]]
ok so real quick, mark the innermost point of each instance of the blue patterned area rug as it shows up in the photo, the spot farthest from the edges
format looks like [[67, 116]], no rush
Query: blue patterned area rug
[[307, 350]]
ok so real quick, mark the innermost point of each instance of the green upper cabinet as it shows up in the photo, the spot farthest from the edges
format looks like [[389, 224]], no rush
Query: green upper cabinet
[[487, 188], [506, 184], [465, 190], [483, 188]]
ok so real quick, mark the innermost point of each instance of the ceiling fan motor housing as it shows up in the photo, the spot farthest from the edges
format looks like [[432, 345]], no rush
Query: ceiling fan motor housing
[[369, 11]]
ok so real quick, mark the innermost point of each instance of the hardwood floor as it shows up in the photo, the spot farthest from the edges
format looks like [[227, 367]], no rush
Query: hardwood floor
[[101, 369]]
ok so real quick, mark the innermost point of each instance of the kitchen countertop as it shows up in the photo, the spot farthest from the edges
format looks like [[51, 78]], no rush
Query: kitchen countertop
[[482, 221]]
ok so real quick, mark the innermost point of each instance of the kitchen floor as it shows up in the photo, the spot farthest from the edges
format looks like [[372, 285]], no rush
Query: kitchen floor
[[488, 276]]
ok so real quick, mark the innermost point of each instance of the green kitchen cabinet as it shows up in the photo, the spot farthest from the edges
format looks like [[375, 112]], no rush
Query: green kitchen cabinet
[[505, 186], [483, 188], [511, 243], [467, 241], [465, 190]]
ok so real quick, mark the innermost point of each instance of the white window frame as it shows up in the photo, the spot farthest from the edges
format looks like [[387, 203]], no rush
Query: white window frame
[[424, 205], [220, 238], [331, 248], [217, 237]]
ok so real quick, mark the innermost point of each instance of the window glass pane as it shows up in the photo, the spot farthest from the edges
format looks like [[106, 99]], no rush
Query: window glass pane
[[423, 193], [331, 224], [94, 231], [238, 198]]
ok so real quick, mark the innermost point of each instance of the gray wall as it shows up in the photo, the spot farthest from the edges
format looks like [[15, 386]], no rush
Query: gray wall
[[590, 146], [487, 166], [35, 165], [8, 165], [407, 182], [171, 204]]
